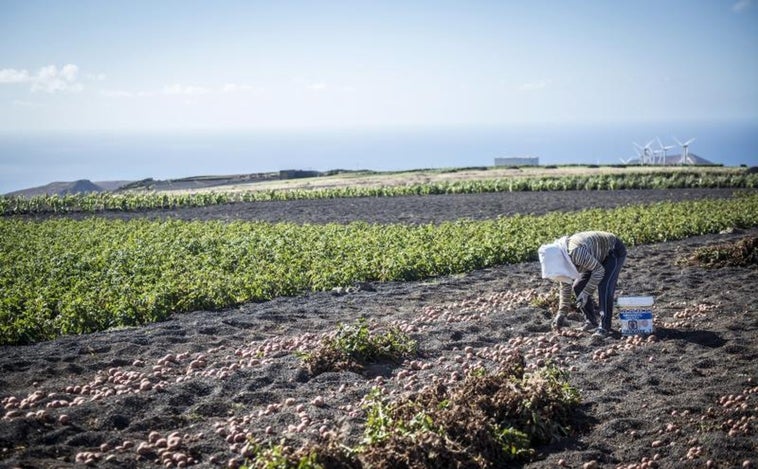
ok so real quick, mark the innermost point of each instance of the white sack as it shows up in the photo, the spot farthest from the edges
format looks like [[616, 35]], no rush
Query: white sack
[[556, 263]]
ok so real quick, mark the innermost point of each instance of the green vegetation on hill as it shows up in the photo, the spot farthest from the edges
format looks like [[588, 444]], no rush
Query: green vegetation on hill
[[94, 202], [63, 276]]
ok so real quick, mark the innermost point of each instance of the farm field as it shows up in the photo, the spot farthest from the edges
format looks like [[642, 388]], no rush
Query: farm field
[[369, 179], [217, 379], [385, 185]]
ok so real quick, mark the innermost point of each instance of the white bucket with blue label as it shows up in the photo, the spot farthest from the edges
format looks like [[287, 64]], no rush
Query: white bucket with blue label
[[636, 315]]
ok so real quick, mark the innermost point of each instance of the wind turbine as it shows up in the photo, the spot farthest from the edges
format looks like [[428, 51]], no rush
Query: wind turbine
[[657, 156], [643, 152], [647, 155], [640, 152], [626, 160], [685, 147], [664, 149]]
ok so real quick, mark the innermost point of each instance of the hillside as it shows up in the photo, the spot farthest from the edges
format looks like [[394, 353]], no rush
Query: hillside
[[298, 179], [69, 187]]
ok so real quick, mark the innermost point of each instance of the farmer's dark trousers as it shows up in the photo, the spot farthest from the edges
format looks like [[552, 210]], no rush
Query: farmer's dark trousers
[[607, 287]]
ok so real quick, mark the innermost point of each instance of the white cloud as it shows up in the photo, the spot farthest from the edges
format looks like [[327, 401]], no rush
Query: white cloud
[[236, 88], [125, 94], [178, 89], [741, 6], [534, 86], [317, 86], [11, 75], [49, 79], [69, 72], [190, 90], [26, 104], [116, 93], [194, 90]]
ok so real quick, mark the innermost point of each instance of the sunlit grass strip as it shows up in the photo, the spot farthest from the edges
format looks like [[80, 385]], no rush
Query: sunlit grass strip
[[96, 202], [67, 277]]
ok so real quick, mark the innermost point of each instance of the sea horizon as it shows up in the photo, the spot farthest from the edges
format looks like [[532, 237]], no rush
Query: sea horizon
[[36, 158]]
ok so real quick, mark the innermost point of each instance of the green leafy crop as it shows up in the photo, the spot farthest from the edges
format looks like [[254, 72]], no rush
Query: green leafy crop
[[127, 201], [63, 276]]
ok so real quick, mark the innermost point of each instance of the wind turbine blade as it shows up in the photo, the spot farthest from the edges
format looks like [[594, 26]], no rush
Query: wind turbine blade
[[689, 141], [678, 142]]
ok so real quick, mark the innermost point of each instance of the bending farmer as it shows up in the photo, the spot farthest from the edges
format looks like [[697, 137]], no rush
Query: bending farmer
[[582, 263]]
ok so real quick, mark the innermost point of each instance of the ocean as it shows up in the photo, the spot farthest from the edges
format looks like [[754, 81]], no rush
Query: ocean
[[35, 159]]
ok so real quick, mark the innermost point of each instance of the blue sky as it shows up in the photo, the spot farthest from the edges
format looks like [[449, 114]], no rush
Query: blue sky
[[168, 65]]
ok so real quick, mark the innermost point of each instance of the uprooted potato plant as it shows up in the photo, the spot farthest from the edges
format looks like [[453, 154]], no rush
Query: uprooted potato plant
[[354, 346], [488, 419], [491, 418], [740, 253]]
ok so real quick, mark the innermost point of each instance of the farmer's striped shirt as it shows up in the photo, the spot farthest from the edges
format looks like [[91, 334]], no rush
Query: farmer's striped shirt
[[587, 250]]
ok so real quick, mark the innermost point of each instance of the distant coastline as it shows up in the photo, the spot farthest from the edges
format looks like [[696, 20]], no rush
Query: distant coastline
[[36, 159]]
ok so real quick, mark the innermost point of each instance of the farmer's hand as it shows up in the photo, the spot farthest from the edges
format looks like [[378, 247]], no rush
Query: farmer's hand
[[582, 299], [560, 321]]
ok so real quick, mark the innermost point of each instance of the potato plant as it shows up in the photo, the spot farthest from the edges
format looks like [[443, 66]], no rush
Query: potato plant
[[354, 345], [62, 276], [740, 253], [489, 419]]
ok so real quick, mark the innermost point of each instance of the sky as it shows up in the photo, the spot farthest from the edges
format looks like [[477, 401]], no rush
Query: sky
[[164, 65]]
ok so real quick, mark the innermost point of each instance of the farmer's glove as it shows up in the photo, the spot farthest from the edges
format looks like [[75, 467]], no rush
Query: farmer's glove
[[582, 299], [560, 321]]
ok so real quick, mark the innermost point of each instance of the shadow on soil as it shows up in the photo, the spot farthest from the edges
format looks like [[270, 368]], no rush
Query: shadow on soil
[[582, 423], [704, 338]]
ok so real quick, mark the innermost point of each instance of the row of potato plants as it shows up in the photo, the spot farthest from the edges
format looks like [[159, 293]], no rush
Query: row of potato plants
[[127, 201], [63, 276]]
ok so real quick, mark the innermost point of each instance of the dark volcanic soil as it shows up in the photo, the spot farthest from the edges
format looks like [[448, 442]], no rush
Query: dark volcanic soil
[[420, 210], [686, 398]]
